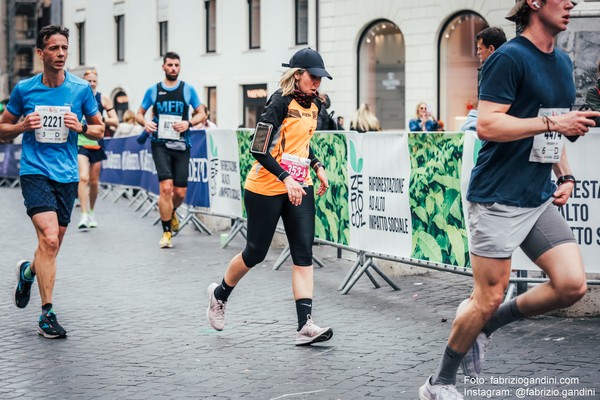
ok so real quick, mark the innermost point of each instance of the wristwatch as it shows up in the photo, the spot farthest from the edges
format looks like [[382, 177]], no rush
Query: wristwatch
[[83, 128], [564, 179]]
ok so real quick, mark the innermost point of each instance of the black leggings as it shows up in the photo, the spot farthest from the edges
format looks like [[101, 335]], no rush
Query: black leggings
[[263, 214]]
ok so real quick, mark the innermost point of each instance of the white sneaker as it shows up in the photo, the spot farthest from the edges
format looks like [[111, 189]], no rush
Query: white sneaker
[[438, 392], [83, 221], [311, 333], [216, 309], [471, 362], [92, 223]]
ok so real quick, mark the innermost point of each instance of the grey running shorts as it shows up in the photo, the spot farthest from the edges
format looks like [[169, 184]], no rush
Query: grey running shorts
[[498, 229]]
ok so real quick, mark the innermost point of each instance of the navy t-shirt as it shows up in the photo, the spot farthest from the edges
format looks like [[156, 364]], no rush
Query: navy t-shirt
[[521, 75]]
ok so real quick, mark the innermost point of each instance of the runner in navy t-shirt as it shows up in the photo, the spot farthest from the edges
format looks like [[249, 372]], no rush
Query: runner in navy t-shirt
[[526, 92]]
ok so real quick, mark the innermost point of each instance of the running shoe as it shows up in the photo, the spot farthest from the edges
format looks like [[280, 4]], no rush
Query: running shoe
[[438, 392], [165, 240], [23, 288], [471, 362], [49, 327], [83, 221], [216, 309], [175, 223], [311, 333], [92, 223]]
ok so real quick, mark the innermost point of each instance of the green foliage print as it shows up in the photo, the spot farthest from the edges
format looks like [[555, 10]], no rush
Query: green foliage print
[[438, 223], [332, 217], [246, 159]]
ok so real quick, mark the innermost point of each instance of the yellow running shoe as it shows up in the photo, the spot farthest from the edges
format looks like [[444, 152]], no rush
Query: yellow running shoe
[[175, 223], [165, 241]]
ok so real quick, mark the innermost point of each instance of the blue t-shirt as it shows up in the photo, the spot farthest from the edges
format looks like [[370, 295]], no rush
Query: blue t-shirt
[[521, 75], [190, 97], [57, 161]]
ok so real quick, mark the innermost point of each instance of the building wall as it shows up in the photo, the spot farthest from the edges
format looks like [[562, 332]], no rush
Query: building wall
[[340, 26], [4, 93]]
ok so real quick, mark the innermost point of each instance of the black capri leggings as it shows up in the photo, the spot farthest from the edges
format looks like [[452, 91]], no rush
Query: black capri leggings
[[263, 214]]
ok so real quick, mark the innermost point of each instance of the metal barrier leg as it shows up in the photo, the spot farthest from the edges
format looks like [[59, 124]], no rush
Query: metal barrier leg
[[384, 276], [238, 227], [109, 189], [199, 225], [359, 260], [282, 257], [140, 194], [357, 275], [152, 205], [317, 261], [510, 291], [521, 286], [372, 278]]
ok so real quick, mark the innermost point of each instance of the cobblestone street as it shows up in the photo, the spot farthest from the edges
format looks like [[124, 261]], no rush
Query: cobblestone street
[[137, 327]]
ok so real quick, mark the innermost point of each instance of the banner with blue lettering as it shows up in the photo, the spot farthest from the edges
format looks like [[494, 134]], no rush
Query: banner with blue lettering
[[10, 157], [198, 194], [130, 163]]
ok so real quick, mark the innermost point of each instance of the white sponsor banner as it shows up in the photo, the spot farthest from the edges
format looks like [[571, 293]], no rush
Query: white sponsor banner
[[582, 211], [379, 172], [225, 188]]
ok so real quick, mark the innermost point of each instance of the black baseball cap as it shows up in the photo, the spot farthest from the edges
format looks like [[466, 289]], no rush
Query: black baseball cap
[[309, 60]]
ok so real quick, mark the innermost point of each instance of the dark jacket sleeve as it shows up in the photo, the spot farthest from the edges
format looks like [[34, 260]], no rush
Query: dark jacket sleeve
[[274, 114], [592, 97]]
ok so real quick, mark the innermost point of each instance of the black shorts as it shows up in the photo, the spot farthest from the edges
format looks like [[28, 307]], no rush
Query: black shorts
[[171, 164], [95, 155], [263, 214], [42, 194]]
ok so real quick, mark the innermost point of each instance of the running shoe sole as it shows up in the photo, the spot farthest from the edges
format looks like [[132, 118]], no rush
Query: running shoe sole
[[48, 336], [323, 337], [18, 272]]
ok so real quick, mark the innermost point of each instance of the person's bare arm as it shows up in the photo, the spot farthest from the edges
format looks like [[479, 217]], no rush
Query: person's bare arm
[[494, 124], [112, 119], [140, 118], [11, 127], [95, 126]]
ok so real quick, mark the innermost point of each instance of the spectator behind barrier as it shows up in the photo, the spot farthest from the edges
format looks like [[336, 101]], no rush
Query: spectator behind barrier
[[592, 97], [207, 123], [128, 127], [424, 120], [364, 120]]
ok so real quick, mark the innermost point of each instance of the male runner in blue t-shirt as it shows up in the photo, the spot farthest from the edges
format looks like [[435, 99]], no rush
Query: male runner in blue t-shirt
[[527, 89], [170, 127], [52, 105]]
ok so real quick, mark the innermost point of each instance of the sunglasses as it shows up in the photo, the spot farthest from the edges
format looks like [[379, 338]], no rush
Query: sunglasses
[[90, 71]]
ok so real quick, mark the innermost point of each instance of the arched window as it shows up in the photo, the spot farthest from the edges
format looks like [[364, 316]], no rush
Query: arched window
[[458, 63], [381, 79]]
